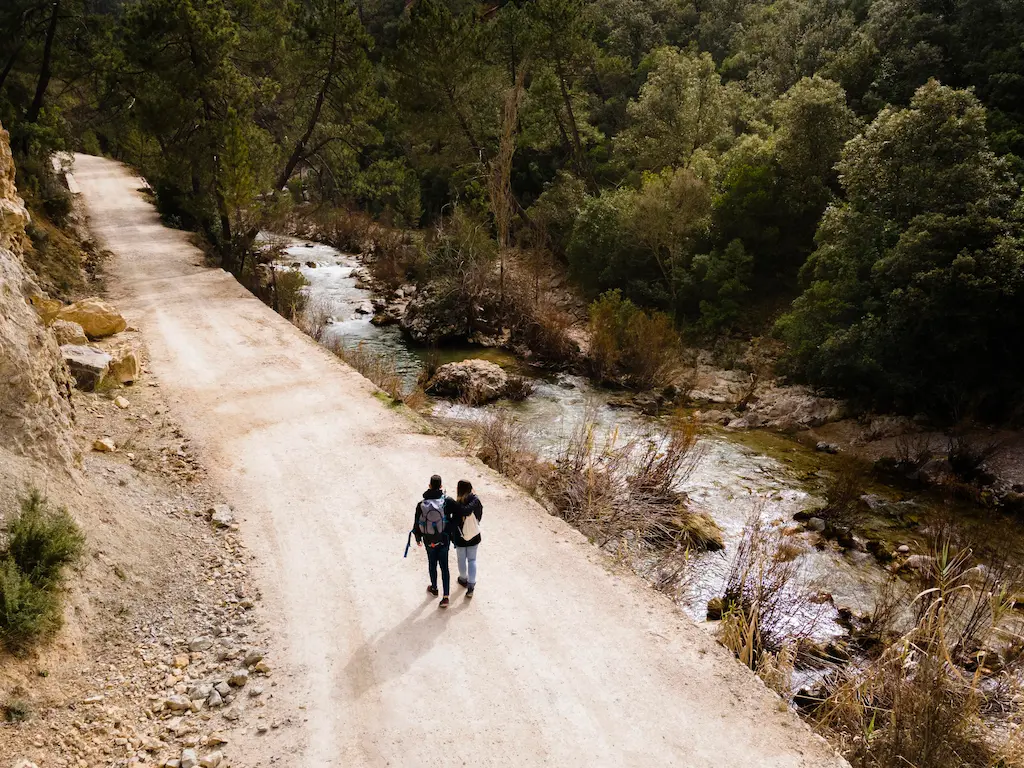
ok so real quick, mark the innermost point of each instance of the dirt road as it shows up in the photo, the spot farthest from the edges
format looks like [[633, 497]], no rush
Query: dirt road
[[556, 661]]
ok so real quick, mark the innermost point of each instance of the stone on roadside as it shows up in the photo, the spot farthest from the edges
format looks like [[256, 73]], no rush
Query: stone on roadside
[[104, 445], [124, 365], [25, 764], [262, 667], [178, 703], [253, 657], [201, 643], [222, 516], [239, 678], [69, 333], [232, 714], [211, 760], [121, 403], [222, 688], [97, 318], [181, 661], [214, 699], [89, 366], [189, 759]]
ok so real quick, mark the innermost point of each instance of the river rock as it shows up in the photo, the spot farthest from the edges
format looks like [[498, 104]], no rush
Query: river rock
[[816, 524], [88, 365], [430, 318], [475, 381], [97, 318], [918, 564], [823, 447], [68, 333]]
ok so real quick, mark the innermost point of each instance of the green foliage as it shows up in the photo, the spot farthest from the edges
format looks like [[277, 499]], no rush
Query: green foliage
[[915, 289], [682, 110], [42, 541], [39, 544]]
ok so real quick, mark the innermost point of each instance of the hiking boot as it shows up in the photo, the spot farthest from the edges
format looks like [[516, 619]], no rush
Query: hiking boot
[[469, 590], [432, 590], [463, 582], [444, 602]]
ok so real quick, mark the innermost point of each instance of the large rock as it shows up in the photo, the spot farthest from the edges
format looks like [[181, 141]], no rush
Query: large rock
[[13, 214], [35, 387], [68, 333], [125, 364], [430, 319], [97, 318], [88, 365], [48, 309], [475, 381]]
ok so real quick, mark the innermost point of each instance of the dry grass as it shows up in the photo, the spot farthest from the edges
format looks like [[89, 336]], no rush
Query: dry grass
[[380, 369], [503, 444], [766, 614], [623, 487], [316, 318], [946, 664]]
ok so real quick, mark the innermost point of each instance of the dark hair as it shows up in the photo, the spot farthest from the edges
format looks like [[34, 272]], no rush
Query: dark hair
[[464, 489], [435, 482]]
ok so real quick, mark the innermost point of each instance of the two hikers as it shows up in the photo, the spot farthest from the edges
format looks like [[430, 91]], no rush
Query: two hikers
[[441, 521]]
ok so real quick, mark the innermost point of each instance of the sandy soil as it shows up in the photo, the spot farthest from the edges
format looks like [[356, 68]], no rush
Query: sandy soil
[[557, 660]]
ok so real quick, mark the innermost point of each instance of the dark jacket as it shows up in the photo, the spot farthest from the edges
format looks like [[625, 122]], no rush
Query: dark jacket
[[452, 509], [471, 506]]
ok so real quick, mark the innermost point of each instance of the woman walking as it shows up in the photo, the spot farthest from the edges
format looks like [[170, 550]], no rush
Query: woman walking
[[466, 534]]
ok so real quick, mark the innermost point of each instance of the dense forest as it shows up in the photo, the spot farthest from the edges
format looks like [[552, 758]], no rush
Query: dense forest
[[844, 175]]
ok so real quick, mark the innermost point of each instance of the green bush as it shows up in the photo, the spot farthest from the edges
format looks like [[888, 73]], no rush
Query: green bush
[[28, 612], [39, 543], [42, 541]]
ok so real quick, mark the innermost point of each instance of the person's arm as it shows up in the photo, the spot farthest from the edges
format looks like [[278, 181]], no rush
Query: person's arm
[[478, 509], [415, 524]]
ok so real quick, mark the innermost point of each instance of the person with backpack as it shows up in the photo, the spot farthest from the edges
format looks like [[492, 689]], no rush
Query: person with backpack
[[466, 534], [432, 529]]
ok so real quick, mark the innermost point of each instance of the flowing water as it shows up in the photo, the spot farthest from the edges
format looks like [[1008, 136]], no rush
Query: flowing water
[[729, 480]]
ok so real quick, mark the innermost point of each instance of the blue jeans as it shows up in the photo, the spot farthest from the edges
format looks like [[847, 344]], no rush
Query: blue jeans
[[438, 556], [467, 563]]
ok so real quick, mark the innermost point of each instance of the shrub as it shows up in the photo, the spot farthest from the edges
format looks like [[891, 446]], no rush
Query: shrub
[[39, 543], [503, 445], [626, 343], [28, 612], [16, 710], [843, 505], [289, 296], [380, 369], [42, 541]]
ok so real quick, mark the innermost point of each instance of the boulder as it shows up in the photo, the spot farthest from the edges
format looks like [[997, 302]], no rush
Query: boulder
[[918, 564], [475, 381], [823, 447], [47, 309], [68, 333], [89, 366], [432, 319], [97, 318], [125, 365], [104, 445], [816, 524]]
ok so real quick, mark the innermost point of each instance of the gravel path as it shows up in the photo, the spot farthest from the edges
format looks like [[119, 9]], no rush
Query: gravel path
[[558, 660]]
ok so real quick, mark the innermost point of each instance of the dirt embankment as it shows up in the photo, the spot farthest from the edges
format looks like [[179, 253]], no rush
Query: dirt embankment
[[160, 613]]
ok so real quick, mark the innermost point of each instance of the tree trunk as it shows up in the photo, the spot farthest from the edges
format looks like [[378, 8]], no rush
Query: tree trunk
[[10, 65], [45, 68], [582, 166], [314, 118]]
